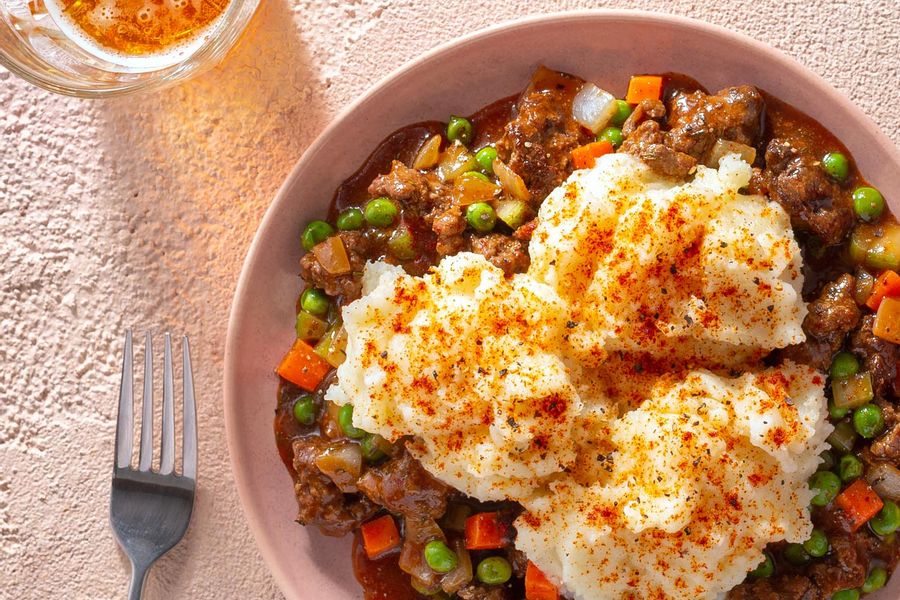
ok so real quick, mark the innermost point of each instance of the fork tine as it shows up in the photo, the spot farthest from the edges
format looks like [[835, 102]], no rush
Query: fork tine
[[189, 435], [125, 420], [146, 460], [167, 453]]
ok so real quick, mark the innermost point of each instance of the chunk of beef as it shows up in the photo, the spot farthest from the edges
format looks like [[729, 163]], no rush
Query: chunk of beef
[[348, 285], [403, 487], [509, 254], [815, 203], [477, 591], [538, 141], [780, 587], [697, 120], [643, 111], [648, 142], [879, 357], [887, 445], [814, 353], [321, 502]]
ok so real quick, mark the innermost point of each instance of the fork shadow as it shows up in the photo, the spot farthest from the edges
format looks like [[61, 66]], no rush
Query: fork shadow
[[193, 169]]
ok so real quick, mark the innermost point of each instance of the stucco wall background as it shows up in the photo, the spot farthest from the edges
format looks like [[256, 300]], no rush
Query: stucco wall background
[[138, 212]]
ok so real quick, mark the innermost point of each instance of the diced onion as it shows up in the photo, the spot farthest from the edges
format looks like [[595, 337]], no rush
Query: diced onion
[[342, 462], [887, 320], [333, 345], [418, 532], [462, 574], [428, 154], [512, 212], [852, 391], [510, 181], [864, 284], [470, 189], [455, 161], [724, 147], [332, 255], [885, 480], [593, 107]]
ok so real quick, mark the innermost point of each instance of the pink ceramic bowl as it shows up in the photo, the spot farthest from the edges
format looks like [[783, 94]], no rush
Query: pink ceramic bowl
[[459, 77]]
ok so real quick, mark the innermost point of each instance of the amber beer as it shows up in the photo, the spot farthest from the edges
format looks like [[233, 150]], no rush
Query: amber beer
[[148, 33]]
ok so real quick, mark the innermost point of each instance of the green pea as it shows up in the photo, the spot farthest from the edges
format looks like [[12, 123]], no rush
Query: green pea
[[314, 301], [875, 581], [401, 245], [846, 595], [481, 216], [380, 212], [350, 219], [868, 202], [850, 468], [345, 420], [765, 569], [796, 554], [828, 461], [370, 446], [485, 158], [623, 111], [887, 520], [305, 410], [459, 129], [494, 570], [439, 557], [868, 420], [613, 135], [315, 232], [844, 365], [836, 165], [826, 485], [477, 175], [837, 412], [817, 544]]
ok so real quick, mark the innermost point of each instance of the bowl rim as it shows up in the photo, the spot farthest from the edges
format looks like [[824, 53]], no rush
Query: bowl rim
[[240, 299]]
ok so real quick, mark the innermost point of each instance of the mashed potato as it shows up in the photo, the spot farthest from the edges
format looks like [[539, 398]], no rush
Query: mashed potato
[[696, 272], [592, 390], [701, 477], [468, 362]]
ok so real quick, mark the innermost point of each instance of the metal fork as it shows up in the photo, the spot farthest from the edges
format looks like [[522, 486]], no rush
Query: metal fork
[[150, 510]]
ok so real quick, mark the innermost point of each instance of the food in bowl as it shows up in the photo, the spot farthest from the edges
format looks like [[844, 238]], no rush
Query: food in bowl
[[592, 347]]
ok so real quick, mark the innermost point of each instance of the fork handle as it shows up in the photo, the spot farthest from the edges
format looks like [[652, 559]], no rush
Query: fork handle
[[138, 578]]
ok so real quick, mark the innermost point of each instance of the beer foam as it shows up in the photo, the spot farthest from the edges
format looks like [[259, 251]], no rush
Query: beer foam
[[106, 14]]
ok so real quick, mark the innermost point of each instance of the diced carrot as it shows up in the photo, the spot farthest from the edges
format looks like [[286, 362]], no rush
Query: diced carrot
[[859, 503], [887, 284], [584, 157], [484, 531], [302, 366], [537, 586], [380, 536], [644, 87]]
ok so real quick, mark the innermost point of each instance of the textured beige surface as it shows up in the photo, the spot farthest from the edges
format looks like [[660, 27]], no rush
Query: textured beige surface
[[138, 212]]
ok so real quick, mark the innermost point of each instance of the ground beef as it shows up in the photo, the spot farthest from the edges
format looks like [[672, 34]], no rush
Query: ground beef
[[815, 203], [697, 120], [887, 445], [484, 592], [831, 317], [403, 184], [538, 141], [780, 587], [403, 487], [321, 502], [509, 254], [348, 285], [878, 357], [648, 142]]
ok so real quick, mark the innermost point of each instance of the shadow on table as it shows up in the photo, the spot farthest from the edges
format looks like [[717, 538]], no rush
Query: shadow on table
[[193, 169]]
